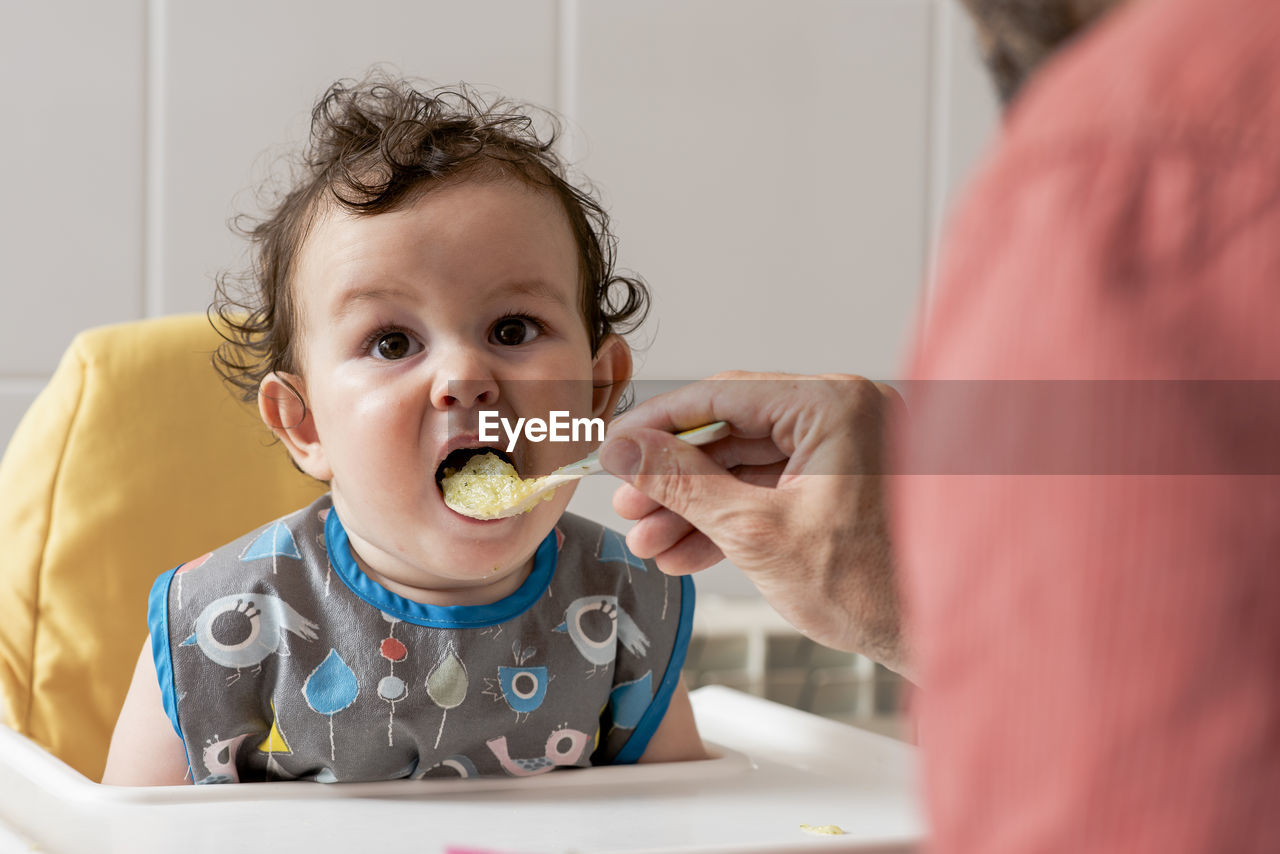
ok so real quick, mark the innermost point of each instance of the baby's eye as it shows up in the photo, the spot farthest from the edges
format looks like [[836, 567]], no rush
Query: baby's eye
[[514, 330], [394, 345]]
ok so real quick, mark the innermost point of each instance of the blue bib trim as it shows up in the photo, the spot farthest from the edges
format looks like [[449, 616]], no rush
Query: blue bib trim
[[158, 625], [653, 716], [438, 616]]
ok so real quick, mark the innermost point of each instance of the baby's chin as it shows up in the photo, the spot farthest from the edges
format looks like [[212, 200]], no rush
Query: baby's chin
[[489, 560], [499, 546], [470, 553]]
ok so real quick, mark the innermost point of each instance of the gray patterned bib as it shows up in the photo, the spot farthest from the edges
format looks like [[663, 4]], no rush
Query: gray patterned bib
[[279, 659]]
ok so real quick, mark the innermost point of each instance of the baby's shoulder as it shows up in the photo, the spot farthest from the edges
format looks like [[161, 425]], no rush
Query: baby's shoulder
[[285, 554]]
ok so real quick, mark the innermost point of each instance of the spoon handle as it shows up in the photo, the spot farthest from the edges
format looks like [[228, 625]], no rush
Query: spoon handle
[[590, 464]]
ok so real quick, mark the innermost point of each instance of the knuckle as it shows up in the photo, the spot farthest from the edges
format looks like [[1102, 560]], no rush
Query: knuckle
[[753, 535], [857, 398], [665, 483], [679, 490]]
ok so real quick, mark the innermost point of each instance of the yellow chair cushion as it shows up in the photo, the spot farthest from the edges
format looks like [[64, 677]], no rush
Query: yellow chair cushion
[[135, 458]]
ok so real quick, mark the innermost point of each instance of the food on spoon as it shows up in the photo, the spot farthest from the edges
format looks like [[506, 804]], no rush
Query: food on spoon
[[487, 486]]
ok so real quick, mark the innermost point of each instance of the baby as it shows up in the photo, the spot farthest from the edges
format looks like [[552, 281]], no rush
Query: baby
[[432, 263]]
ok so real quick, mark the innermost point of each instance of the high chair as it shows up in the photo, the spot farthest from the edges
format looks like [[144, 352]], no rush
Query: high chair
[[136, 458]]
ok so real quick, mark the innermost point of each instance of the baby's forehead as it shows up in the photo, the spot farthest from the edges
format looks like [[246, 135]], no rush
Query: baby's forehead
[[473, 234], [330, 209]]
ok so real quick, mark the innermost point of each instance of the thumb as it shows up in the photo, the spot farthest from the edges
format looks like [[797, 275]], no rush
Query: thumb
[[675, 474]]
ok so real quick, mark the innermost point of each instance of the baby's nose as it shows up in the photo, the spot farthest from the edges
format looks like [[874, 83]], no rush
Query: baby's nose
[[466, 393], [463, 378]]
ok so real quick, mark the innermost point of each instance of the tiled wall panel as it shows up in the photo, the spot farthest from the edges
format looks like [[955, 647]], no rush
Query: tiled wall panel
[[239, 78], [968, 110], [765, 163], [71, 141]]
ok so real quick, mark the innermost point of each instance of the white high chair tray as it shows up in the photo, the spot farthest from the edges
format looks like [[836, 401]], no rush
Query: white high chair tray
[[777, 768]]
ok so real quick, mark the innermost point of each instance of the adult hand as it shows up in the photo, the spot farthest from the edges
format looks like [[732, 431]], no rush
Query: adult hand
[[795, 498]]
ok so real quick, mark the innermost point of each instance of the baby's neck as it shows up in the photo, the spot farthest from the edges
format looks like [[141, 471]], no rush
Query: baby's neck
[[482, 591]]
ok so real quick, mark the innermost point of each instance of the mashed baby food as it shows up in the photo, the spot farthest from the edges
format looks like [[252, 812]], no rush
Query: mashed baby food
[[487, 487], [823, 829]]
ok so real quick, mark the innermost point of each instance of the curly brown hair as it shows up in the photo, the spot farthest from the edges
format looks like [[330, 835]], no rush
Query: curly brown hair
[[375, 146]]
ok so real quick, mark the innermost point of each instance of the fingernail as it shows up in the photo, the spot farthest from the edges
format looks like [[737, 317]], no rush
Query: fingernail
[[621, 457]]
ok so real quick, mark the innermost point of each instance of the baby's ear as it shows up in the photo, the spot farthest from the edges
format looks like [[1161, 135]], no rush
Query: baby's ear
[[609, 376], [283, 408]]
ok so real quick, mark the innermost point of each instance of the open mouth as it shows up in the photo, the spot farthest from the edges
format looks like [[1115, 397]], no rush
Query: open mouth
[[459, 457]]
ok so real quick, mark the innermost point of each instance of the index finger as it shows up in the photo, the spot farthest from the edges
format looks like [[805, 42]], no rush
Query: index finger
[[737, 397], [799, 414]]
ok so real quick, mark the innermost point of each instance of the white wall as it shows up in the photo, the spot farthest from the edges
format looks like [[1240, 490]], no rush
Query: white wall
[[776, 170]]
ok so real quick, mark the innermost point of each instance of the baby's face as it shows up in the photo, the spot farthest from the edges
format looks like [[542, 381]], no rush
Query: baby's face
[[412, 322]]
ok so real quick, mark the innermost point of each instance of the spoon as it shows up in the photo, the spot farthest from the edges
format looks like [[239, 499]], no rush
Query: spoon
[[589, 464]]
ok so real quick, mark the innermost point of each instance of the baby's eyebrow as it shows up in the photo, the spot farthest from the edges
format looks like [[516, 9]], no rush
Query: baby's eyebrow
[[536, 288], [352, 297], [348, 299]]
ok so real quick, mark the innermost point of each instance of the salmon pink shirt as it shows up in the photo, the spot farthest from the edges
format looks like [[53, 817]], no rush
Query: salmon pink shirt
[[1089, 510]]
